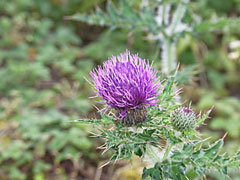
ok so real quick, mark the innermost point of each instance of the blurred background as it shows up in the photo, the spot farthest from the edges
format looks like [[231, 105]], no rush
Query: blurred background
[[45, 60]]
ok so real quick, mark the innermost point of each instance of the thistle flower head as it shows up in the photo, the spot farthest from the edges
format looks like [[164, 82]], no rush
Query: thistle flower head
[[183, 118], [126, 82]]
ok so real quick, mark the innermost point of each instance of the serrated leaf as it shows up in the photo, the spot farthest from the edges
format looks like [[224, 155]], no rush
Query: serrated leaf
[[212, 151], [111, 9], [128, 13], [200, 170], [178, 170], [88, 121], [155, 173], [217, 25]]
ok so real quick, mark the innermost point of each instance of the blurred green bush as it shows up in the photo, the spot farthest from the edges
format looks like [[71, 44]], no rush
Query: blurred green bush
[[42, 89]]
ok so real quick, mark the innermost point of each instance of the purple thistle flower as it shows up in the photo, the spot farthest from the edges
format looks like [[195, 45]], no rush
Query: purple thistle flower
[[126, 82]]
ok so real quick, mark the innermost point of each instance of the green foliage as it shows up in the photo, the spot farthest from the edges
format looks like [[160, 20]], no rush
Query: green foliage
[[191, 156], [218, 25], [227, 109], [157, 135], [50, 136], [43, 71], [125, 16], [121, 16], [115, 42]]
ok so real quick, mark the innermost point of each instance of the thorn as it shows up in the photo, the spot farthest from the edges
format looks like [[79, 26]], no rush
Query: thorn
[[104, 165], [115, 160], [210, 110], [94, 134], [105, 150], [200, 114], [91, 97], [77, 120], [184, 101], [206, 139], [190, 104], [205, 178], [176, 70], [98, 110], [224, 135]]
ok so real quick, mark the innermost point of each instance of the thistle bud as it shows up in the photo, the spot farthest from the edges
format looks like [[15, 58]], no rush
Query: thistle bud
[[183, 118]]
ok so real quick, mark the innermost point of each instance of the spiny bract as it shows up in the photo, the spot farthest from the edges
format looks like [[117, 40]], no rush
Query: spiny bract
[[183, 118]]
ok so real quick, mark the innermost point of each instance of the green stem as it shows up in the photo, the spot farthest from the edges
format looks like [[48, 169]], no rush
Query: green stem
[[168, 55], [155, 157], [178, 15], [164, 13], [168, 150], [152, 154], [168, 47], [170, 58]]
